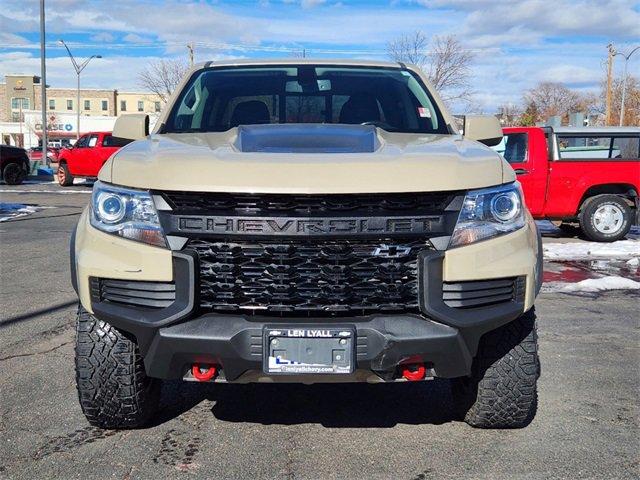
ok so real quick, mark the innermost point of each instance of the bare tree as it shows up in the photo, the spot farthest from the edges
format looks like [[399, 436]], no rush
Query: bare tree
[[549, 99], [162, 77], [631, 103], [443, 58], [509, 114]]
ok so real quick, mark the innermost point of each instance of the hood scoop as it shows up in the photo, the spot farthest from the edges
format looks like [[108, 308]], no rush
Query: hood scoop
[[307, 138]]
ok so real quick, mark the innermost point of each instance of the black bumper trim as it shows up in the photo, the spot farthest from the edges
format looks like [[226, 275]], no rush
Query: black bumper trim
[[143, 322], [472, 322], [236, 343]]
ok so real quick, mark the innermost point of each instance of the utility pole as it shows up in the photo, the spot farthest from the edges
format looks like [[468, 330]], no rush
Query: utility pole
[[612, 53], [43, 86], [190, 47]]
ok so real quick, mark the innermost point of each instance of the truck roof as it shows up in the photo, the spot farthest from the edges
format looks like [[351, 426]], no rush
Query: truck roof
[[297, 61], [592, 130]]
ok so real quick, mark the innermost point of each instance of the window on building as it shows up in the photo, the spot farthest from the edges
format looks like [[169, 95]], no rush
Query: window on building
[[123, 105], [140, 106], [20, 103], [15, 117], [69, 104], [105, 105], [156, 106], [52, 104], [87, 104]]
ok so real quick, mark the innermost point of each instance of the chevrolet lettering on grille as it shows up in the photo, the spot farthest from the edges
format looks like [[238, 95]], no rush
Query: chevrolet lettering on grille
[[308, 226]]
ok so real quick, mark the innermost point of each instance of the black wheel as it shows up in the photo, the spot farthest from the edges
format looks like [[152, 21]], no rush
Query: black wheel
[[13, 174], [113, 388], [502, 389], [605, 218], [64, 176]]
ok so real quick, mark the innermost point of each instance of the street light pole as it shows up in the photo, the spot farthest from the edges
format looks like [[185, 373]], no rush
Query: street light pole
[[78, 68], [43, 88], [624, 82]]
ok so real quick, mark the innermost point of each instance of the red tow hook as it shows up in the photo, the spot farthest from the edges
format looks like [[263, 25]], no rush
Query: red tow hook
[[203, 374], [414, 371]]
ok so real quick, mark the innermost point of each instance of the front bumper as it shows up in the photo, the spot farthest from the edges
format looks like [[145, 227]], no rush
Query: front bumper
[[171, 339]]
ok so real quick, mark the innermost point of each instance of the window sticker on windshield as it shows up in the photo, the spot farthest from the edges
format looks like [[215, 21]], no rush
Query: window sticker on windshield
[[424, 112]]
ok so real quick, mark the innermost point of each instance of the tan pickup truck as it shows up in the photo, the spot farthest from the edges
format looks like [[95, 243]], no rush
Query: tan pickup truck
[[307, 221]]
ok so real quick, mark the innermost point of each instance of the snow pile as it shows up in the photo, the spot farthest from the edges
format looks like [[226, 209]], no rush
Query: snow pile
[[13, 210], [621, 249], [593, 285]]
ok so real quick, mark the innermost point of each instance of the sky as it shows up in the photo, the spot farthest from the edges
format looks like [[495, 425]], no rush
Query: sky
[[515, 44]]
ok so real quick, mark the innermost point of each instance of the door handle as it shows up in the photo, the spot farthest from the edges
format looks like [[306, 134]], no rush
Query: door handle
[[521, 171]]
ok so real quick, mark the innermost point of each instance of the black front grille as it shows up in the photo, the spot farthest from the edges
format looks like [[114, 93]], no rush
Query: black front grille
[[133, 292], [482, 293], [265, 205], [309, 277]]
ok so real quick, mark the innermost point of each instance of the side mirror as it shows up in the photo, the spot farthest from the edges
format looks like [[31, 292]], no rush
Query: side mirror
[[483, 128], [134, 126]]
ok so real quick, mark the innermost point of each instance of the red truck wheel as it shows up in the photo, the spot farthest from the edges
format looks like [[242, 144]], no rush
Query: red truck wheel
[[605, 218], [64, 177]]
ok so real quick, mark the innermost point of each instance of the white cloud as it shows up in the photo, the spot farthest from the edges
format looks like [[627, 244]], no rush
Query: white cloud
[[103, 37], [135, 38], [572, 75], [311, 3]]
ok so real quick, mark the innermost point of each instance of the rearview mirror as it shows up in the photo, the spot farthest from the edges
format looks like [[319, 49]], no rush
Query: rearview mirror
[[134, 126], [483, 128]]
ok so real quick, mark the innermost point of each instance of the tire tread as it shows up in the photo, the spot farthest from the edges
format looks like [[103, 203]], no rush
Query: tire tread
[[113, 388], [502, 390]]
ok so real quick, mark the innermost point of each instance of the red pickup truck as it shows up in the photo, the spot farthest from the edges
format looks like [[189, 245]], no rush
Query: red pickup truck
[[584, 175], [86, 157]]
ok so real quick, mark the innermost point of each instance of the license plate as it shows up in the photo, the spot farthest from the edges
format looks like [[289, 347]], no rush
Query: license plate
[[315, 350]]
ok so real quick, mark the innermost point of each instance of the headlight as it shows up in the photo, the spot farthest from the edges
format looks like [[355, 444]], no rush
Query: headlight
[[127, 213], [487, 213]]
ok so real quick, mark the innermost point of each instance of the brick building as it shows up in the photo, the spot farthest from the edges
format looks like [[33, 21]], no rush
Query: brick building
[[21, 93]]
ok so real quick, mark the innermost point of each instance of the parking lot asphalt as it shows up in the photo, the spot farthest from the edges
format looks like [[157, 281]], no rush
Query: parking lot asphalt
[[587, 424]]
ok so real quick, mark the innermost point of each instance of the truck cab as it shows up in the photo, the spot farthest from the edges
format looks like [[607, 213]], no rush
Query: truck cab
[[584, 175]]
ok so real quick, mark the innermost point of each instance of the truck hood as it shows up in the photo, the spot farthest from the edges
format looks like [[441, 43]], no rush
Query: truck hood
[[306, 159]]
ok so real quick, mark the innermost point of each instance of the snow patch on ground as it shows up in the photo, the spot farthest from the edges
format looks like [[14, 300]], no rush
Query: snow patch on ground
[[4, 190], [593, 285], [622, 249], [9, 211]]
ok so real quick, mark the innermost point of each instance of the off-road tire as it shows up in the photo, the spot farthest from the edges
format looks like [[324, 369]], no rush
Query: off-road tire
[[13, 174], [502, 389], [113, 388], [65, 178], [587, 218]]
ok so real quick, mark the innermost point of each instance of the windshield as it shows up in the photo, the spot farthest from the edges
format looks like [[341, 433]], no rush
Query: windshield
[[217, 99]]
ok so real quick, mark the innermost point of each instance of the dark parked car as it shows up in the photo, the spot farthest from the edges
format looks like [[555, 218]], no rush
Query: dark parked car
[[14, 164]]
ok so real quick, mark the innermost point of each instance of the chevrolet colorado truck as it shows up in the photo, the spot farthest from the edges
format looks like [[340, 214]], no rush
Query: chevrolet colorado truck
[[589, 176], [307, 221]]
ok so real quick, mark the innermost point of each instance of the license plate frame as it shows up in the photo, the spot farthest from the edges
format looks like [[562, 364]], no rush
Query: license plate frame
[[308, 350]]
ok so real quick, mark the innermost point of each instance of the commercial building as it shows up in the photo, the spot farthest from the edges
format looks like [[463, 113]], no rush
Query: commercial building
[[21, 100]]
